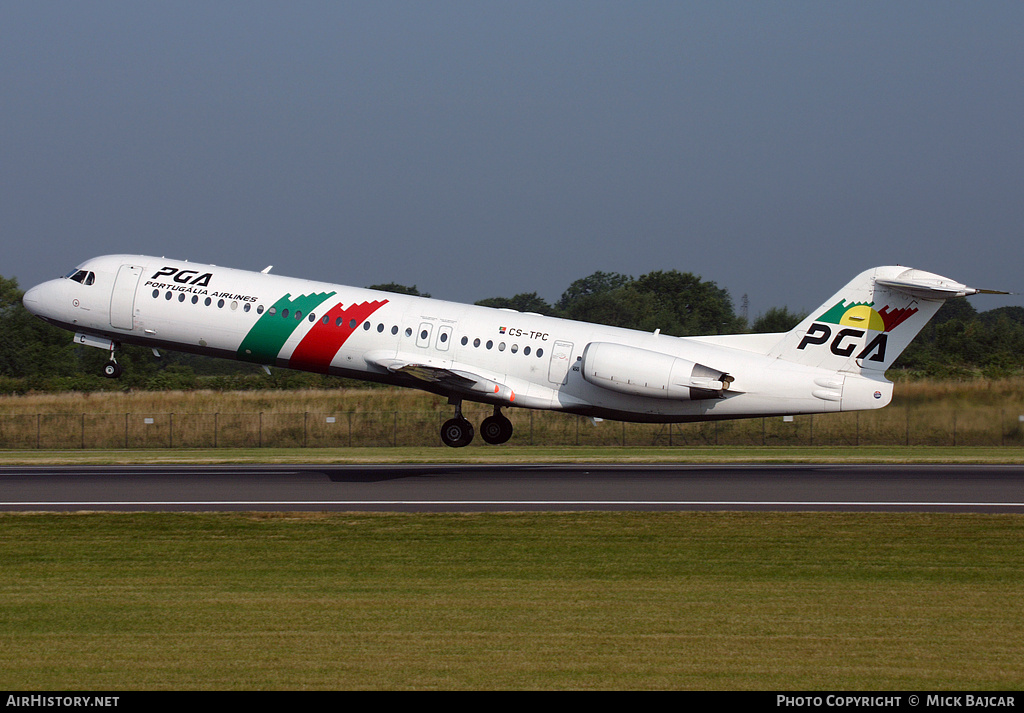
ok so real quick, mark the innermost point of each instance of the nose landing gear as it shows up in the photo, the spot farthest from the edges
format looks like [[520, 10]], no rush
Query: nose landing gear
[[112, 369]]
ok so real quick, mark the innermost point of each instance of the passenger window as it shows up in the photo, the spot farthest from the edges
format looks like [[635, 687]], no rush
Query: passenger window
[[443, 333], [424, 335]]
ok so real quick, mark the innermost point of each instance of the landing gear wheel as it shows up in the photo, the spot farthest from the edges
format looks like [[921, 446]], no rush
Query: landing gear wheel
[[111, 370], [496, 429], [457, 432]]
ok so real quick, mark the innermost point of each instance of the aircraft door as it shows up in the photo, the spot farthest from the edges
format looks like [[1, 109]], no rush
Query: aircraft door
[[561, 358], [122, 298]]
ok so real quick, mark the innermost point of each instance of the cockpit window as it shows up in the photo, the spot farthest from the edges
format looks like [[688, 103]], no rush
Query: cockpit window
[[83, 276]]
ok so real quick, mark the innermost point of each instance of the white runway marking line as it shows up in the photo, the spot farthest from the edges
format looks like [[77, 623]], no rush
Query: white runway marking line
[[786, 503]]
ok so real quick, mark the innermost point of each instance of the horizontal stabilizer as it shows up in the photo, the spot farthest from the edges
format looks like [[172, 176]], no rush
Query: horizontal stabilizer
[[929, 286]]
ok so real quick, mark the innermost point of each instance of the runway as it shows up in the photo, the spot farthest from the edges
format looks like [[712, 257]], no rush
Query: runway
[[478, 488]]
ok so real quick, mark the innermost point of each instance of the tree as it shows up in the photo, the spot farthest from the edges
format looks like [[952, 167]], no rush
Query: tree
[[399, 289], [598, 283], [29, 347], [523, 302], [776, 319], [687, 305], [677, 303]]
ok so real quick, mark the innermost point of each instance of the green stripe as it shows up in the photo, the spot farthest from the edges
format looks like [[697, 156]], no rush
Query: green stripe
[[264, 341]]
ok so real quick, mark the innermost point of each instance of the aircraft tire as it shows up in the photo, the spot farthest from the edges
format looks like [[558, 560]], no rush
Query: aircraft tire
[[496, 429], [457, 432], [111, 370]]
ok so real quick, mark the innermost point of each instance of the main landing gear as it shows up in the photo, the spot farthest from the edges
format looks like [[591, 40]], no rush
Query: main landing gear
[[458, 431], [497, 428]]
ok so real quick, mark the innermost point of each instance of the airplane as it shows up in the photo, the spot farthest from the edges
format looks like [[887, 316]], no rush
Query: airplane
[[834, 360]]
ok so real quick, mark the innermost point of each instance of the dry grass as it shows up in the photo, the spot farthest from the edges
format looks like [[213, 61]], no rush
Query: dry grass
[[947, 413]]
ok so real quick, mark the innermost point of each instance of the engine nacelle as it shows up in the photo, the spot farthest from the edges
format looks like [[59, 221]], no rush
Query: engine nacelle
[[640, 372]]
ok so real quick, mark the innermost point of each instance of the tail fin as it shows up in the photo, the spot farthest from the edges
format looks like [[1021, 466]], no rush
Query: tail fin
[[868, 323]]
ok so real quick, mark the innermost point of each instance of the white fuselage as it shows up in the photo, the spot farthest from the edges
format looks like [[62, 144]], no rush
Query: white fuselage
[[496, 356]]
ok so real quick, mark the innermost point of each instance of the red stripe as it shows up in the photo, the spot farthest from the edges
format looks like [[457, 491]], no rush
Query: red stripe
[[318, 347]]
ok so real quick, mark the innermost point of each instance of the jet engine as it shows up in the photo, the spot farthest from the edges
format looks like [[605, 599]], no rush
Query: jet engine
[[640, 372]]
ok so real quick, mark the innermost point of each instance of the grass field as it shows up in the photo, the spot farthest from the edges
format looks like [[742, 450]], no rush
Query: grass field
[[520, 454], [733, 601], [938, 414], [512, 601]]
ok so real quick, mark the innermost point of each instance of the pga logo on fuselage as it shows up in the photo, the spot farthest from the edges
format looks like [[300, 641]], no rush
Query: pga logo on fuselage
[[184, 277], [845, 341]]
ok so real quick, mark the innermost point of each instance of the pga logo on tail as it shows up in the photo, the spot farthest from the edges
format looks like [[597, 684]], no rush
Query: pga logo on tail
[[855, 320]]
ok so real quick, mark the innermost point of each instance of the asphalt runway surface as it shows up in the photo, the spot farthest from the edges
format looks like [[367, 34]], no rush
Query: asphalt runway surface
[[519, 487]]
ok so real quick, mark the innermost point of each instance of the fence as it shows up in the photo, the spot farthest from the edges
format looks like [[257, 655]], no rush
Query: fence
[[891, 426]]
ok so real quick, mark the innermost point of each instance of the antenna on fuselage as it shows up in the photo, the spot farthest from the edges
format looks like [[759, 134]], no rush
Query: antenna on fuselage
[[266, 269]]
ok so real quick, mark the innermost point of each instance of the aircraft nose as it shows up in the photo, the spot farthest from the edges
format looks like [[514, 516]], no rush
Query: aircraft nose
[[39, 300], [31, 299]]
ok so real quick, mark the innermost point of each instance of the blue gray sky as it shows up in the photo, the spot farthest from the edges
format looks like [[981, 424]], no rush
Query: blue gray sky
[[480, 149]]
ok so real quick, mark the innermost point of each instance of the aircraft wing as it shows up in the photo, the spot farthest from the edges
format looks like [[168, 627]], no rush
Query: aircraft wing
[[438, 375], [456, 380]]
